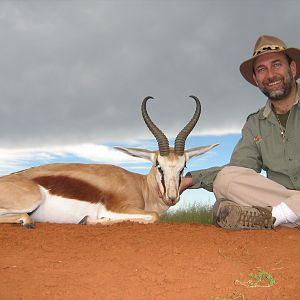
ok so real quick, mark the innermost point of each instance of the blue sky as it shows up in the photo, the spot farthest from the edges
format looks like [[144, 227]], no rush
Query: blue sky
[[73, 75]]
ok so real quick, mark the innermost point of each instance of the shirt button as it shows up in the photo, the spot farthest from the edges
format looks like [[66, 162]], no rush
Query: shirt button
[[290, 159]]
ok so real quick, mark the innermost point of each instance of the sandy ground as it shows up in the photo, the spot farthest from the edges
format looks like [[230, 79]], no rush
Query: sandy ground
[[134, 261]]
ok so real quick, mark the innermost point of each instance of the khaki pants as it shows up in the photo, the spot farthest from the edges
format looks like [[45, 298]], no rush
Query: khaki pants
[[246, 187]]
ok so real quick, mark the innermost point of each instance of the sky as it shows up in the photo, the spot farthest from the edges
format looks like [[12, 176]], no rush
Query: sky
[[73, 75]]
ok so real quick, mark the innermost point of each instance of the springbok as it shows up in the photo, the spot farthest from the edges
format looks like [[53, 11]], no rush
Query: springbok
[[100, 193]]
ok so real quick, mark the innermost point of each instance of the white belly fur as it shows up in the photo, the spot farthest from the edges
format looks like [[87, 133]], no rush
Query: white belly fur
[[56, 209]]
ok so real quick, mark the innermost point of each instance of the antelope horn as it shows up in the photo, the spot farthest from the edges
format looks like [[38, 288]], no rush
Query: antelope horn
[[163, 143], [183, 134]]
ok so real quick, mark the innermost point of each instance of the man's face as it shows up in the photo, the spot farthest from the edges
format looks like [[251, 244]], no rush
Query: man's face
[[274, 76]]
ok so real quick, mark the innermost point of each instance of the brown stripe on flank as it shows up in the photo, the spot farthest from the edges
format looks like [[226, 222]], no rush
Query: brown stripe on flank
[[72, 188]]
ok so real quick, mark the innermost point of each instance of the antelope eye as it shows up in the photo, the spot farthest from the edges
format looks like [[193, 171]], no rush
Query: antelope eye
[[160, 170]]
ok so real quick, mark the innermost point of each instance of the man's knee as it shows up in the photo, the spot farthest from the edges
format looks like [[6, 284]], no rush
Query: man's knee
[[225, 177]]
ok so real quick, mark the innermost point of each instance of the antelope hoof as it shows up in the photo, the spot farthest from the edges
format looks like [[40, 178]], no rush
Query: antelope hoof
[[84, 221], [26, 222], [29, 225]]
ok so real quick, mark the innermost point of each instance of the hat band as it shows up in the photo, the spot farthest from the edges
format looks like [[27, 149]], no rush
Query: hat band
[[267, 48]]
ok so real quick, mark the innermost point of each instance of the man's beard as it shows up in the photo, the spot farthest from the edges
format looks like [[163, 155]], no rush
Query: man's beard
[[280, 93]]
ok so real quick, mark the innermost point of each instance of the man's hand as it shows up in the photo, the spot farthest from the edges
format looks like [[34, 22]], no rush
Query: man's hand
[[186, 182]]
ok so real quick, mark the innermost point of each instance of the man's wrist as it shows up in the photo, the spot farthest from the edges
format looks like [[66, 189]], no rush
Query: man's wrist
[[188, 174], [188, 179], [186, 182]]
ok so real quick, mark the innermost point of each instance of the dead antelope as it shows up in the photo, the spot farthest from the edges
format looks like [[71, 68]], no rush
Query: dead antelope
[[100, 193]]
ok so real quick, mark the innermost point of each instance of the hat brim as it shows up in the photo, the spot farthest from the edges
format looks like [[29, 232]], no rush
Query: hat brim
[[246, 68]]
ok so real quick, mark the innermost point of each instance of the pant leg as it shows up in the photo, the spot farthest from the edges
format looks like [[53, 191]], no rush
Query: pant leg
[[246, 187]]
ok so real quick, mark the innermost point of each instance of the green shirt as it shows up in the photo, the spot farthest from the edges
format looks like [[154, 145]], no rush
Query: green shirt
[[262, 147]]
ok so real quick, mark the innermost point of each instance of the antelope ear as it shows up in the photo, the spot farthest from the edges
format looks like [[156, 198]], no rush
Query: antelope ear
[[198, 151], [137, 152]]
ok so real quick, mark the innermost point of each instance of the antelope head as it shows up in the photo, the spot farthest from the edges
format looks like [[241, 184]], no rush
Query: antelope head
[[169, 163]]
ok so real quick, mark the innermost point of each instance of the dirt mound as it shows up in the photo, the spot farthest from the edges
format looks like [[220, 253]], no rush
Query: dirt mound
[[134, 261]]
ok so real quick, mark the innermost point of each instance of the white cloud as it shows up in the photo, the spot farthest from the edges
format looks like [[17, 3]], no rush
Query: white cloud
[[19, 158], [15, 159]]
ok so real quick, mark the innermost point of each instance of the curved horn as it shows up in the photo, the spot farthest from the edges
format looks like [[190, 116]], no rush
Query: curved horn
[[163, 143], [183, 134]]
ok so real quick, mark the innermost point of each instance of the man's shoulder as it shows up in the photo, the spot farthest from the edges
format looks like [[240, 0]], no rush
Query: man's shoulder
[[253, 115]]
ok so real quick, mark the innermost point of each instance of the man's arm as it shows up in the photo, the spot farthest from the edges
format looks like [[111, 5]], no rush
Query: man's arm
[[200, 179], [245, 154]]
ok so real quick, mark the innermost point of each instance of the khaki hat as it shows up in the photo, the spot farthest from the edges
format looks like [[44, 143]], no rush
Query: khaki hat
[[267, 44]]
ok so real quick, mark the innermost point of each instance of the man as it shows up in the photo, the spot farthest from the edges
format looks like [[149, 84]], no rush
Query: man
[[270, 141]]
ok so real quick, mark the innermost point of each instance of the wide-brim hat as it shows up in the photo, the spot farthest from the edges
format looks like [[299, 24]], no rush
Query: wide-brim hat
[[266, 44]]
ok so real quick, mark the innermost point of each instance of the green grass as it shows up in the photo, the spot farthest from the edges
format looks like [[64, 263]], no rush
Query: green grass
[[195, 213], [234, 296], [259, 279]]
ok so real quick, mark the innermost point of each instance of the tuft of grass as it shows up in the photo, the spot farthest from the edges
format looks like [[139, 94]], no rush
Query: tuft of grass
[[195, 213], [260, 279], [234, 296]]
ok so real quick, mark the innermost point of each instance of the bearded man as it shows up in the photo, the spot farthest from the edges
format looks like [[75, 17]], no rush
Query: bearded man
[[270, 141]]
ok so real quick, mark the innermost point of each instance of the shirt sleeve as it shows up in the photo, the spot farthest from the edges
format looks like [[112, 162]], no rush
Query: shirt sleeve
[[246, 153], [204, 178]]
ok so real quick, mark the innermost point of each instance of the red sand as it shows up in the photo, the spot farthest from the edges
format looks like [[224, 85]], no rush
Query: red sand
[[134, 261]]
